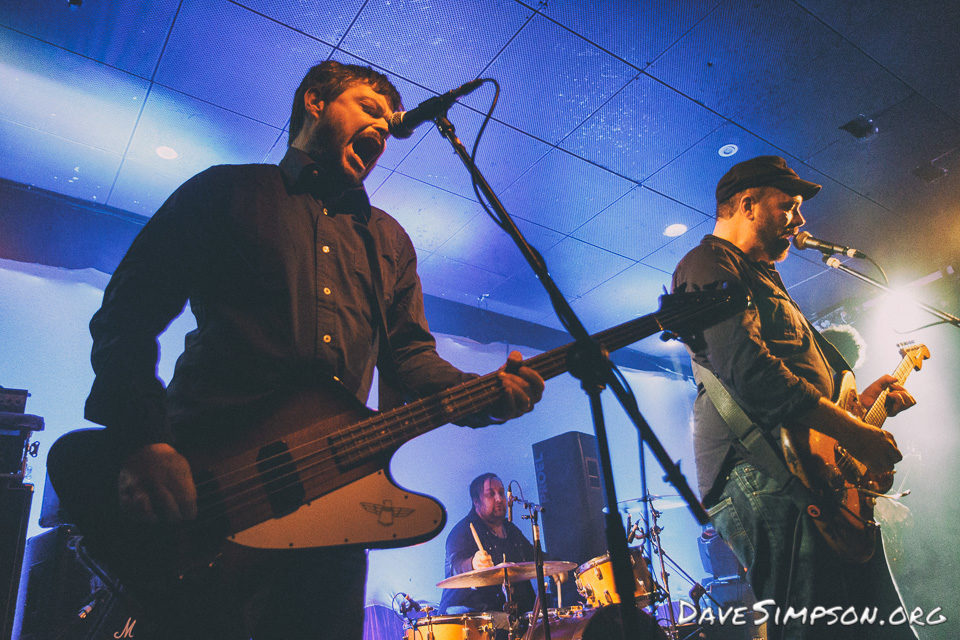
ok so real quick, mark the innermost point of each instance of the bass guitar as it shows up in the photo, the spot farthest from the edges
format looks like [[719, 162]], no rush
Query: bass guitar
[[844, 489], [315, 473]]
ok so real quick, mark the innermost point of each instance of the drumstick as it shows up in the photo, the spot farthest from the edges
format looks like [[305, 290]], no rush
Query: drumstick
[[476, 538]]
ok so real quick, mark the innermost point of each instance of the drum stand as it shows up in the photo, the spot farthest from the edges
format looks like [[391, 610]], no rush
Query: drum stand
[[653, 536]]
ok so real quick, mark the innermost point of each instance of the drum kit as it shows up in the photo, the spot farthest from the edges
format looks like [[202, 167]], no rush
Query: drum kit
[[597, 617]]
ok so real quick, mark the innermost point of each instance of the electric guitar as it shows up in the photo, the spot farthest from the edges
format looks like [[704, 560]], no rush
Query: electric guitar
[[845, 490], [315, 473]]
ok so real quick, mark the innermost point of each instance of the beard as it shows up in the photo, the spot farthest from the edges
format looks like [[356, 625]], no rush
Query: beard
[[326, 149]]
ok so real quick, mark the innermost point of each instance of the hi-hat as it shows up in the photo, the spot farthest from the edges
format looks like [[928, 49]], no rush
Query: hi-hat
[[513, 571], [661, 503]]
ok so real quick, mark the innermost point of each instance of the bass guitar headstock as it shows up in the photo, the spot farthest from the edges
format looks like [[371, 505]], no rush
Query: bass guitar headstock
[[685, 313]]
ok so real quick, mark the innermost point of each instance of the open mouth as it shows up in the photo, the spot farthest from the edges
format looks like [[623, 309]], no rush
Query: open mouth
[[368, 147]]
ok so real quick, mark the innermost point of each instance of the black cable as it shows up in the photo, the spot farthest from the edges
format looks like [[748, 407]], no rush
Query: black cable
[[793, 559]]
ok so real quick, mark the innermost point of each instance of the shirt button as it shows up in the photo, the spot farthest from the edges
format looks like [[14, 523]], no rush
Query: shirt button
[[326, 290], [325, 249], [327, 338]]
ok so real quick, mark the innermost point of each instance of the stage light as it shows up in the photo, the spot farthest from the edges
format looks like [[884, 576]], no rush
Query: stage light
[[674, 230], [167, 153], [727, 150]]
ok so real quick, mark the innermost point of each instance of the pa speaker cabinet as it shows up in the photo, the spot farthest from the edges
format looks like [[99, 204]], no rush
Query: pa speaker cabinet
[[571, 493]]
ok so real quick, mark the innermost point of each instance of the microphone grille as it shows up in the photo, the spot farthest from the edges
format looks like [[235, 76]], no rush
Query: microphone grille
[[395, 126], [800, 240]]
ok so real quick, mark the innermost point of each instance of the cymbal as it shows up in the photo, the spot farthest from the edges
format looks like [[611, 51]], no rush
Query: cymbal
[[667, 501], [515, 571]]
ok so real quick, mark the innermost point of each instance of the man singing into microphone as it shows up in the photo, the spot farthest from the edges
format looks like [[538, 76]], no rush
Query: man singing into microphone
[[297, 284], [499, 537], [770, 361]]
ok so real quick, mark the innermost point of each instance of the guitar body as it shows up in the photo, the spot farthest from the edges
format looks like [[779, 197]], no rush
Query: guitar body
[[277, 487], [846, 518], [845, 490]]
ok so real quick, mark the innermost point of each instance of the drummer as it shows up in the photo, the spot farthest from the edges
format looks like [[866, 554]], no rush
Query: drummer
[[499, 538]]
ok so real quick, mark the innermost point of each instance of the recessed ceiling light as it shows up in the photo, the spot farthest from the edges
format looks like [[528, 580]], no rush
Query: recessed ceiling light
[[727, 150], [674, 230], [167, 153]]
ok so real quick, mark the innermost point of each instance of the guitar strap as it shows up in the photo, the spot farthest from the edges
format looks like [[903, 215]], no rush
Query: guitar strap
[[754, 440]]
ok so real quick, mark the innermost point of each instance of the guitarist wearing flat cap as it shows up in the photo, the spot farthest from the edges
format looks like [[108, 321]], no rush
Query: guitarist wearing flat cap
[[774, 366]]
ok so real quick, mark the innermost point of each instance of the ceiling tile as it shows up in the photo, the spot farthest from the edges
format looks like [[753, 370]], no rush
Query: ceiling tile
[[807, 74], [912, 133], [456, 281], [633, 226], [67, 95], [504, 154], [429, 215], [692, 178], [42, 160], [247, 64], [522, 296], [628, 295], [442, 44], [141, 188], [666, 258], [483, 244], [327, 20], [552, 80], [578, 267], [203, 135], [137, 29], [637, 32], [915, 40], [636, 132], [561, 192]]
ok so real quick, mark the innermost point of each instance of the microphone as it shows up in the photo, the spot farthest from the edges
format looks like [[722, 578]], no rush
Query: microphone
[[402, 123], [804, 240], [414, 605], [509, 504]]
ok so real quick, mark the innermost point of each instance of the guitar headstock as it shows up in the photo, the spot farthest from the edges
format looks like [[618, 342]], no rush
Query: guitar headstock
[[916, 353], [684, 314]]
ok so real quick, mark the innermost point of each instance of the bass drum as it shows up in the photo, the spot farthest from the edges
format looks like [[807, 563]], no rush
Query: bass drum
[[596, 624]]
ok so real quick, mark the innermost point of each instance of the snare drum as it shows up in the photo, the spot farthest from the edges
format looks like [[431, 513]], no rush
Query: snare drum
[[466, 626], [595, 580]]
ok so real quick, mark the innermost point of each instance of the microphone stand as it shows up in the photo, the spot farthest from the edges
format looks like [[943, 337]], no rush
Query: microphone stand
[[590, 364], [834, 262], [533, 515]]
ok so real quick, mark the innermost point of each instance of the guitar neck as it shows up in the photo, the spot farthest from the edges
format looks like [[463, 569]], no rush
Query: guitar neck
[[383, 433], [878, 412]]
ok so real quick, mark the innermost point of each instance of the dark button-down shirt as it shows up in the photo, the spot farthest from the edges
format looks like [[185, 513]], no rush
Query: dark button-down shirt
[[461, 548], [281, 287], [767, 356]]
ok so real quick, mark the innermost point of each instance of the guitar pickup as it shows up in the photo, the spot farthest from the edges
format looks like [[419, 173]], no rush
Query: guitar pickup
[[280, 478]]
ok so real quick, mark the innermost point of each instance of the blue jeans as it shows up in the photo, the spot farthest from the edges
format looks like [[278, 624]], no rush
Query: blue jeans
[[770, 536]]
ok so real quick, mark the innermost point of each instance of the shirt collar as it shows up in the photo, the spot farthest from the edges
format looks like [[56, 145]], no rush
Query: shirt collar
[[301, 174]]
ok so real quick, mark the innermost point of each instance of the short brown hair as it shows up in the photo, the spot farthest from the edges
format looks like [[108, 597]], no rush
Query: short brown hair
[[476, 486], [331, 78]]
